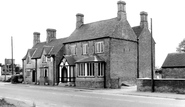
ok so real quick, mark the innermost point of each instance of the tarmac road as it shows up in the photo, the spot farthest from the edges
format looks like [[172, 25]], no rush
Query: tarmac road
[[44, 96]]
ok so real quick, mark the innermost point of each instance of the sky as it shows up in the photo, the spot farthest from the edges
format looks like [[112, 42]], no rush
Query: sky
[[20, 18]]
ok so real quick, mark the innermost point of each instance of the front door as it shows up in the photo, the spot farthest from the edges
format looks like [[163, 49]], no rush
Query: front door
[[64, 74], [33, 75]]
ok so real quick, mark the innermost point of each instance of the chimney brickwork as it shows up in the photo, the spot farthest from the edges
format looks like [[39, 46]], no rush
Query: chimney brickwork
[[36, 38], [144, 19], [121, 10], [51, 34], [79, 20]]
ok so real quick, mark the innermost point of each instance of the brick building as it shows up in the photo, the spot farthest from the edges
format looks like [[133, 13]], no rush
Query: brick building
[[40, 65], [174, 66], [101, 54]]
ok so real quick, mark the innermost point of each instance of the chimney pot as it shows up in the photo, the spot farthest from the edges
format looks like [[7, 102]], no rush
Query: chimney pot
[[121, 10], [36, 38], [144, 20], [51, 34], [79, 20]]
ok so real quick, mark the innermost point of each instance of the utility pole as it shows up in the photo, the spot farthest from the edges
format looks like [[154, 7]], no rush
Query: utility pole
[[12, 54], [5, 70], [152, 74]]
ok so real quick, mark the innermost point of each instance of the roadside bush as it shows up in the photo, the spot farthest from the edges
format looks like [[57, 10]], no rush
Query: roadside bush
[[16, 79]]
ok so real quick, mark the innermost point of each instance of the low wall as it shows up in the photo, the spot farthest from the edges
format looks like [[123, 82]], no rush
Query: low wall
[[90, 82], [162, 85]]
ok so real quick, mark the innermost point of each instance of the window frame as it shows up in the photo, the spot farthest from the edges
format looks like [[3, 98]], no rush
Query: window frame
[[99, 47], [84, 48], [44, 59], [101, 69], [86, 70], [73, 49]]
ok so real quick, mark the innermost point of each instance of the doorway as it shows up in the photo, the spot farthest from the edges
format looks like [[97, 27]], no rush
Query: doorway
[[33, 76], [64, 74]]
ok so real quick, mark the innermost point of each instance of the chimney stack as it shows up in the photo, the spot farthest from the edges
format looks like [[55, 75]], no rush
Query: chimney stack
[[144, 19], [36, 38], [121, 10], [51, 34], [79, 20]]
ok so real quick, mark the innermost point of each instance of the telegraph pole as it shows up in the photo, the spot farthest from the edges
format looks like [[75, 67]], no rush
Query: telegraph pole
[[152, 74], [12, 53]]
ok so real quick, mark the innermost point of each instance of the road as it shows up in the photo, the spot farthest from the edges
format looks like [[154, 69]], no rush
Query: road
[[44, 96]]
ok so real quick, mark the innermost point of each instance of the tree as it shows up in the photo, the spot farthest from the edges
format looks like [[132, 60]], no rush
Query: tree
[[181, 47]]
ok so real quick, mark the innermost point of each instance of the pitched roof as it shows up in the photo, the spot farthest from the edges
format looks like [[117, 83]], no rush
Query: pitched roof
[[47, 49], [106, 28], [30, 51], [93, 58], [174, 60], [137, 30], [70, 59], [51, 48]]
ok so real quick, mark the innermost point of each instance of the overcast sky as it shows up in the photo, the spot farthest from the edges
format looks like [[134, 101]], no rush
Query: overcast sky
[[20, 18]]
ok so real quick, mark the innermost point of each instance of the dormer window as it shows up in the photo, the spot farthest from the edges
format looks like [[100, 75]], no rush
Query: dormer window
[[99, 47]]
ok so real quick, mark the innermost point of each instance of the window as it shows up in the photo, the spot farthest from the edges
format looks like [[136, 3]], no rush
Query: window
[[73, 49], [46, 74], [27, 72], [86, 69], [28, 60], [44, 59], [90, 71], [100, 69], [48, 59], [99, 47], [84, 49]]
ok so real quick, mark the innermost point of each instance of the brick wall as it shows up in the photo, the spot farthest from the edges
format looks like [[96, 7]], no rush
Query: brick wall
[[28, 79], [145, 54], [90, 82], [162, 85], [123, 61], [173, 73], [85, 82]]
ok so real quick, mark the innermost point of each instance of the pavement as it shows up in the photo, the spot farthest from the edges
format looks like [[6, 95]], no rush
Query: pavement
[[132, 90]]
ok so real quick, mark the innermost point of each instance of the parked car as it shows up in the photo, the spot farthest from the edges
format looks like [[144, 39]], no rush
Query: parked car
[[17, 79]]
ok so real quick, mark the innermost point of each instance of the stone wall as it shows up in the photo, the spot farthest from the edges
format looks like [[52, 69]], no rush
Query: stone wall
[[162, 85]]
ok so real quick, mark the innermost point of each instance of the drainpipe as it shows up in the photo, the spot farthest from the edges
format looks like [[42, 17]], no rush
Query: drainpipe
[[137, 57], [23, 71], [54, 70], [36, 71], [104, 75]]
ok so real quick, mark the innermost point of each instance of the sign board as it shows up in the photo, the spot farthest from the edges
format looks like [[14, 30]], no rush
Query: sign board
[[9, 61]]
